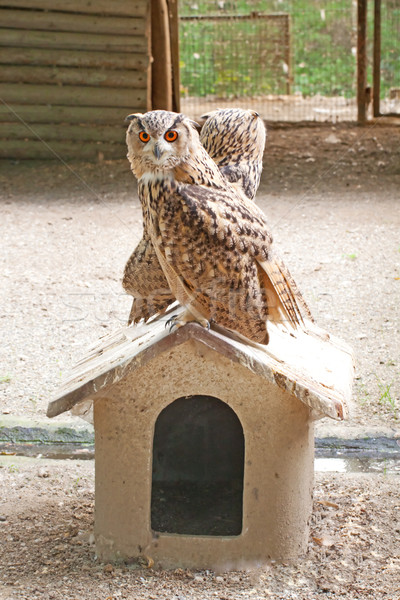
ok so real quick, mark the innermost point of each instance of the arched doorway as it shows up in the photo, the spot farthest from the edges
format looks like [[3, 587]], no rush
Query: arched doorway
[[198, 467]]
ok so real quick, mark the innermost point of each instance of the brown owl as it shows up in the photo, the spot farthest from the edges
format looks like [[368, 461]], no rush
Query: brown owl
[[235, 139], [211, 241]]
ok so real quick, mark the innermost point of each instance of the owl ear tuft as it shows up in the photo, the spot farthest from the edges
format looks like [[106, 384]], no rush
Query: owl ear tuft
[[133, 116], [255, 113], [194, 124]]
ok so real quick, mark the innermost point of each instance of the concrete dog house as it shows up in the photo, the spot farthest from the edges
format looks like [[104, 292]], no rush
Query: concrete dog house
[[204, 443]]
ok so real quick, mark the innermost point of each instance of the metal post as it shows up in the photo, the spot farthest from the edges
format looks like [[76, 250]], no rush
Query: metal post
[[361, 59], [377, 59]]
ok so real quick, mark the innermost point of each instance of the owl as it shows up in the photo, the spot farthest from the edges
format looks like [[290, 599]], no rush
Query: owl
[[211, 241], [235, 139]]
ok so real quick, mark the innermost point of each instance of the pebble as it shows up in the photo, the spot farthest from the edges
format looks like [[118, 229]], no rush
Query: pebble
[[108, 568], [3, 518], [332, 139], [43, 473]]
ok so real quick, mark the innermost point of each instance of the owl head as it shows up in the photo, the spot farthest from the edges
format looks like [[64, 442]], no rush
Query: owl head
[[159, 141], [232, 135]]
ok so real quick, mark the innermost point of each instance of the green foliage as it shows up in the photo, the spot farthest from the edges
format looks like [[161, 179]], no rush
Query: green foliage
[[386, 398], [351, 256], [250, 57]]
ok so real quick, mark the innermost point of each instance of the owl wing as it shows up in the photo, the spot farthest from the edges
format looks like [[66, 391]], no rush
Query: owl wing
[[235, 140], [144, 279], [217, 230]]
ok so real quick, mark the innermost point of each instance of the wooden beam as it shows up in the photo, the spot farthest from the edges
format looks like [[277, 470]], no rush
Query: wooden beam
[[377, 60], [288, 52], [58, 21], [63, 132], [30, 149], [123, 8], [174, 35], [74, 58], [161, 52], [361, 60], [73, 76], [71, 41], [71, 95], [66, 114]]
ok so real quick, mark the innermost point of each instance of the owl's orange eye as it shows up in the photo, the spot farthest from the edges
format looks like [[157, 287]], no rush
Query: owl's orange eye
[[171, 136], [144, 136]]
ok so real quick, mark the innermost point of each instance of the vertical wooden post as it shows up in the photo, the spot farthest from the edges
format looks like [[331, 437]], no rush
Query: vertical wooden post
[[377, 59], [174, 33], [288, 39], [361, 59], [161, 84]]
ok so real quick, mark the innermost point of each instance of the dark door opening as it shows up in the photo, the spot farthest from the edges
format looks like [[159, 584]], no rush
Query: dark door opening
[[198, 466]]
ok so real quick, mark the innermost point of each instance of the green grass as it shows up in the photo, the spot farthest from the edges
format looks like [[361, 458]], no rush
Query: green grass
[[386, 398], [248, 58]]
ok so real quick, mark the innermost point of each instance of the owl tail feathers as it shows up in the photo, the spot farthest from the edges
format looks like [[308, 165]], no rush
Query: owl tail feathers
[[286, 305], [144, 309]]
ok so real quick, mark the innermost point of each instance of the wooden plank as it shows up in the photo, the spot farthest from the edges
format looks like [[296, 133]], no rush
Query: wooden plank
[[64, 132], [65, 114], [73, 76], [361, 60], [289, 49], [73, 58], [72, 95], [83, 41], [377, 60], [323, 383], [123, 8], [17, 149], [54, 21], [253, 16]]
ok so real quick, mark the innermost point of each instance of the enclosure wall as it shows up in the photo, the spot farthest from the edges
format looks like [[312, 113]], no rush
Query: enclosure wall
[[70, 71]]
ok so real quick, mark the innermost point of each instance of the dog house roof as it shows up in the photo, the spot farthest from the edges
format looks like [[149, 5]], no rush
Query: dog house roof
[[314, 367]]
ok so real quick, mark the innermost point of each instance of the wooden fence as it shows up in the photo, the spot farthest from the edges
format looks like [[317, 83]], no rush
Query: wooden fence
[[70, 71]]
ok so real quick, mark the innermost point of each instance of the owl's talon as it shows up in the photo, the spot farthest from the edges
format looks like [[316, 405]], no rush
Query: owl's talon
[[171, 323], [181, 320]]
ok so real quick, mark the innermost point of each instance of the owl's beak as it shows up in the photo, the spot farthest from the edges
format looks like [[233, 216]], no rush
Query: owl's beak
[[157, 152]]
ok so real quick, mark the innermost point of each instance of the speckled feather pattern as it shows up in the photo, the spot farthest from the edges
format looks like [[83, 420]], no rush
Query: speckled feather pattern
[[210, 239], [235, 139]]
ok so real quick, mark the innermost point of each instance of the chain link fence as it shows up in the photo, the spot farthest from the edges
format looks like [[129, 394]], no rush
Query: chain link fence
[[290, 60], [390, 57]]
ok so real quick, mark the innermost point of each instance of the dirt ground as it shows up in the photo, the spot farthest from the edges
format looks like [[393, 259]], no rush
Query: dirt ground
[[331, 195], [46, 525], [332, 198]]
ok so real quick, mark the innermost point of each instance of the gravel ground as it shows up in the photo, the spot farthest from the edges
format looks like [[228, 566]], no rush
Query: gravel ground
[[332, 199], [48, 554]]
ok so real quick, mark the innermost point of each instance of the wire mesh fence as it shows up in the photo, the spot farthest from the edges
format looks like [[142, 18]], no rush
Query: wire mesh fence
[[390, 57], [291, 60]]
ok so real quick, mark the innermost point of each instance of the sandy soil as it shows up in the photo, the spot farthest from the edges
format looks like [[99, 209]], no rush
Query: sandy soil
[[47, 545], [332, 198]]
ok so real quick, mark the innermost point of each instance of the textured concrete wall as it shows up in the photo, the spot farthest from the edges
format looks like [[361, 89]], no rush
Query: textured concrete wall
[[278, 472]]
